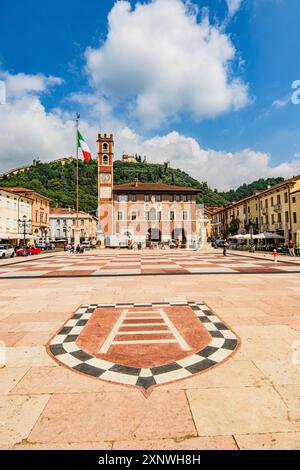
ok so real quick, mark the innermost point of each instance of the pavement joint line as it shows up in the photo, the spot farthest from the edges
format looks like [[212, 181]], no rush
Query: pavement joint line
[[214, 273], [248, 255], [191, 412]]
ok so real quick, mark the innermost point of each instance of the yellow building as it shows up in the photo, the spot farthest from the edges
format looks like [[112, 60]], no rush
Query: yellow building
[[40, 212], [13, 208], [276, 209]]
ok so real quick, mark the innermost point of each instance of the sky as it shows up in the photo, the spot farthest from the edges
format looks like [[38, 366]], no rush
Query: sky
[[205, 84]]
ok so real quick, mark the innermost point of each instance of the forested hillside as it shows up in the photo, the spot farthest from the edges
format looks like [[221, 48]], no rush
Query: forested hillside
[[58, 181]]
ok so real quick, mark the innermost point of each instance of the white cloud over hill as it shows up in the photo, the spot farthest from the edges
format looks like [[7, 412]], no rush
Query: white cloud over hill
[[159, 60], [28, 131]]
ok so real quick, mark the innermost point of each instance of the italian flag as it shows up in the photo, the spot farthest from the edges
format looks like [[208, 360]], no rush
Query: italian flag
[[84, 147]]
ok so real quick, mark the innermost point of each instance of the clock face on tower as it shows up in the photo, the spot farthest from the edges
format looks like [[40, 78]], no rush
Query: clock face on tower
[[105, 178]]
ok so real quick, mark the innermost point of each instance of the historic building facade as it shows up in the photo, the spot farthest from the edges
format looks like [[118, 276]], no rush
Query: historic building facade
[[13, 207], [143, 212], [276, 209], [63, 225], [40, 212]]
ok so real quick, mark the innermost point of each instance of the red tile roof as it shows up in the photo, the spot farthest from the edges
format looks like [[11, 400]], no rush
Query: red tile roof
[[20, 189], [61, 210], [152, 187]]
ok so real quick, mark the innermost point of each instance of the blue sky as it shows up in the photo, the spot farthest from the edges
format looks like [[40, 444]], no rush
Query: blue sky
[[51, 38]]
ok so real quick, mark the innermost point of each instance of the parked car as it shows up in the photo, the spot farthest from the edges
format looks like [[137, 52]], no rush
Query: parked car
[[86, 245], [7, 251], [41, 245], [27, 251]]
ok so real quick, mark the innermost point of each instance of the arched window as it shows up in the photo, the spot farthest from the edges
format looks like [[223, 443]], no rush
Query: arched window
[[152, 213], [105, 147], [105, 159]]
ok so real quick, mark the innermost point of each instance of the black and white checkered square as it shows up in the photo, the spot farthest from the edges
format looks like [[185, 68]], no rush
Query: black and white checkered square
[[64, 348]]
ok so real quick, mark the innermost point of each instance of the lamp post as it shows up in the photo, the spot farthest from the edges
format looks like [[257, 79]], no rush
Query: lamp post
[[24, 227], [251, 235], [67, 230]]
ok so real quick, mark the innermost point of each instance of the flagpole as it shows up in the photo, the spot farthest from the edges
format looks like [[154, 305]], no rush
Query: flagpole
[[77, 171]]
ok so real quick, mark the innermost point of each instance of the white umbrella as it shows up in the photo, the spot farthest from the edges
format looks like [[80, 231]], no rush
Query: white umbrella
[[273, 236], [259, 236]]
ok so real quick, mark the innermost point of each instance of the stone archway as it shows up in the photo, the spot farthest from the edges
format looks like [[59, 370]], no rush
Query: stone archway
[[179, 234], [154, 235]]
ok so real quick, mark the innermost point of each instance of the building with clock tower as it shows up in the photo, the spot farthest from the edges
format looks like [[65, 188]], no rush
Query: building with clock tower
[[146, 213], [105, 182]]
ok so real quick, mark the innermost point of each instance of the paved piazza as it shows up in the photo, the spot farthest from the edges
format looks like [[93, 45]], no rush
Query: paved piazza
[[128, 264], [101, 357]]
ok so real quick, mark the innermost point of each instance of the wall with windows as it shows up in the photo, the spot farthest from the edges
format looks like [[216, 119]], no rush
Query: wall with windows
[[136, 214], [63, 225], [12, 208]]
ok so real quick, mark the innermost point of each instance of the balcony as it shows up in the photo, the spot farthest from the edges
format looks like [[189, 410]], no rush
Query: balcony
[[265, 211], [277, 207], [278, 226], [265, 227]]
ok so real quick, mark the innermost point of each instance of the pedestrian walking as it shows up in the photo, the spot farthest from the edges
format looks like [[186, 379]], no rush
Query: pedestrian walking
[[78, 248], [275, 255], [225, 247], [291, 248]]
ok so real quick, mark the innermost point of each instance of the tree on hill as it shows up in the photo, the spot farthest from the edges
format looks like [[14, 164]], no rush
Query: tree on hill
[[246, 190]]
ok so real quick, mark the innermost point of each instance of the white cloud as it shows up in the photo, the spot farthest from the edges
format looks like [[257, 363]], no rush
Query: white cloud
[[233, 6], [281, 102], [222, 170], [29, 131], [159, 60], [22, 84]]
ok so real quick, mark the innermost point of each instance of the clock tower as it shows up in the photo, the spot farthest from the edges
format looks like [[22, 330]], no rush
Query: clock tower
[[105, 183]]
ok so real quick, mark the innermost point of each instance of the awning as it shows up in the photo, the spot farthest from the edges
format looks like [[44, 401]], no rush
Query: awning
[[17, 236]]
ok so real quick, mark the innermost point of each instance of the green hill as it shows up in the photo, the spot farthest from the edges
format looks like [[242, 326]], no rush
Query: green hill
[[248, 189], [58, 181]]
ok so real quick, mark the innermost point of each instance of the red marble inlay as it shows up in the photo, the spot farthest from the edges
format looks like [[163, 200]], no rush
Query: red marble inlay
[[103, 320]]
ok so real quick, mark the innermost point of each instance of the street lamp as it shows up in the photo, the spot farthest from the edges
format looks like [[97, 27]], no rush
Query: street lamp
[[66, 230], [24, 227], [251, 235]]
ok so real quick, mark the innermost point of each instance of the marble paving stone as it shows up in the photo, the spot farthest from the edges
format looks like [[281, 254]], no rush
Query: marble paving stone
[[291, 396], [62, 446], [37, 326], [265, 332], [244, 372], [20, 356], [9, 338], [18, 415], [104, 416], [230, 411], [9, 377], [60, 380], [271, 441], [280, 372], [34, 339], [269, 348], [194, 443]]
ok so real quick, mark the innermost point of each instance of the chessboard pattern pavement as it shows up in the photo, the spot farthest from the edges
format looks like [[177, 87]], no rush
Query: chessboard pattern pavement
[[126, 264], [64, 349]]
